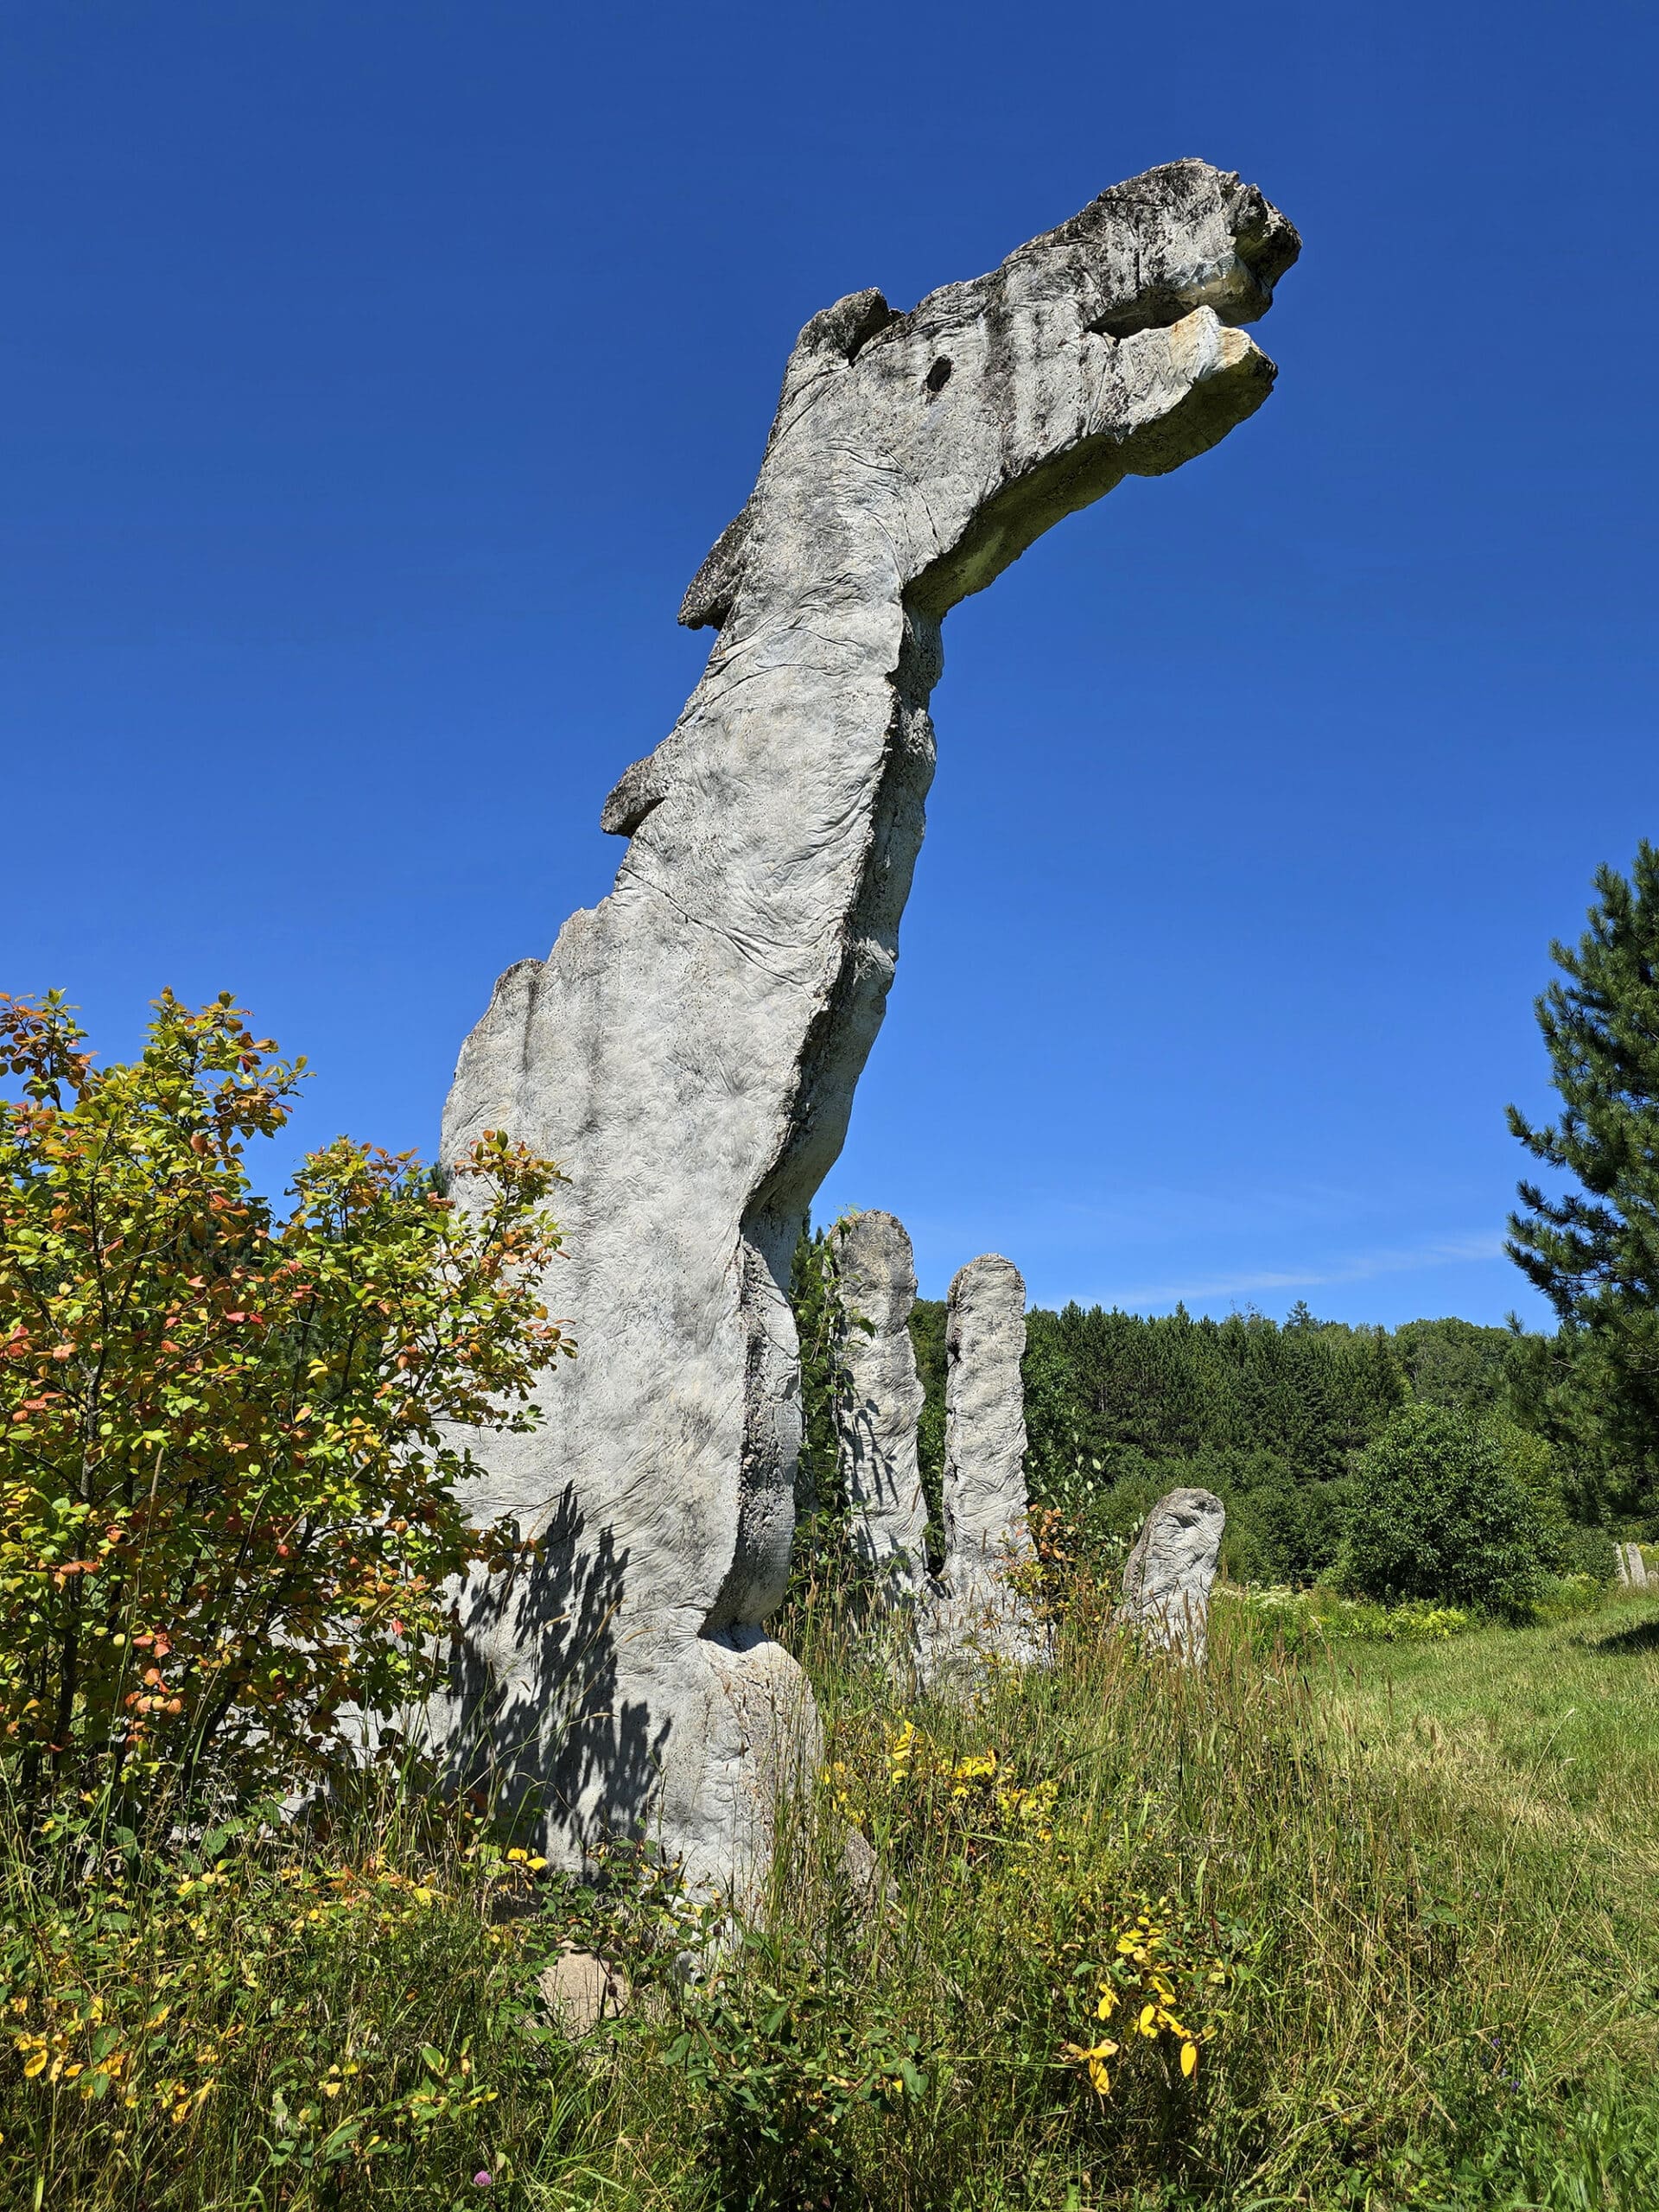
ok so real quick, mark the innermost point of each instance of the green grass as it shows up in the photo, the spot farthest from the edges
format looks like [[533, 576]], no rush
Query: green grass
[[1558, 1724], [1411, 1926]]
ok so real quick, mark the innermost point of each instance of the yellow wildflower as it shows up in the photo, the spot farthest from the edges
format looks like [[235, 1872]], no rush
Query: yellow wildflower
[[902, 1750]]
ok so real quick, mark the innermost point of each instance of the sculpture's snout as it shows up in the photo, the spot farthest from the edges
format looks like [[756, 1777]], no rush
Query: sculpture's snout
[[1266, 244], [1181, 236]]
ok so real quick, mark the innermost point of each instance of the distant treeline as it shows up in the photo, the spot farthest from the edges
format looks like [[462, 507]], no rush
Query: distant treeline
[[1121, 1407]]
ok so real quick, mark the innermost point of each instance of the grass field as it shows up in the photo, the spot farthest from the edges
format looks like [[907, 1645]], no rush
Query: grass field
[[1375, 1926]]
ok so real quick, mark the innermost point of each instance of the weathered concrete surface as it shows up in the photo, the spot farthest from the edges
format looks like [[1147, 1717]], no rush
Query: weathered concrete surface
[[984, 1496], [881, 1405], [978, 1613], [689, 1050], [1167, 1576]]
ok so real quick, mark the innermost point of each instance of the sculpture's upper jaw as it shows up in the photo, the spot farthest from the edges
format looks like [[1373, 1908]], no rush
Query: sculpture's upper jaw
[[1150, 250]]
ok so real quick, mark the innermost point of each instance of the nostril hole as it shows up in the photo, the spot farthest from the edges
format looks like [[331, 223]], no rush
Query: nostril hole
[[938, 376]]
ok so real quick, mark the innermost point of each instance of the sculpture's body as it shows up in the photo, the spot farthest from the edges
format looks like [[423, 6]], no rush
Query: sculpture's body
[[881, 1405], [1167, 1576], [689, 1051]]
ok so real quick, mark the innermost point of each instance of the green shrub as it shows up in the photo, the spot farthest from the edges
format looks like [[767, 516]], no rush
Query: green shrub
[[1587, 1552], [792, 2053], [1564, 1595], [1531, 1460], [230, 1436], [1283, 1531], [1303, 1622], [1438, 1511], [1095, 1511]]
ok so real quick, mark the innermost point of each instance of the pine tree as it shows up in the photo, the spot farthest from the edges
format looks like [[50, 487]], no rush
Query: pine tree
[[1594, 1252]]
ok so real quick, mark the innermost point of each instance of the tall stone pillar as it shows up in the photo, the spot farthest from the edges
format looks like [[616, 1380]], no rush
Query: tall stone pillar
[[881, 1404], [979, 1611], [984, 1421]]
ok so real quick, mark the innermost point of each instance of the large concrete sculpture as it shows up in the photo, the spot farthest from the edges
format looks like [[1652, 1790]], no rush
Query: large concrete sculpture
[[689, 1050], [1166, 1578], [879, 1405]]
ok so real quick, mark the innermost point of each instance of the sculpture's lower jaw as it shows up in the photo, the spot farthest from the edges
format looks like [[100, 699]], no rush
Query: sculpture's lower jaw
[[737, 1739]]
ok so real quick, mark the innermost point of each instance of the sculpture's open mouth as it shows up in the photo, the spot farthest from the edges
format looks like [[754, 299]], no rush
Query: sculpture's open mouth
[[1231, 289]]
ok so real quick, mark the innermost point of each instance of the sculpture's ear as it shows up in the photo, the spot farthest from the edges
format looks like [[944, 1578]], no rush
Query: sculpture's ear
[[843, 329], [832, 338], [709, 595]]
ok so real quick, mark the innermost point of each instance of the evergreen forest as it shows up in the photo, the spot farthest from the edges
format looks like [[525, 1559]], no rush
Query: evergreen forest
[[1121, 1407]]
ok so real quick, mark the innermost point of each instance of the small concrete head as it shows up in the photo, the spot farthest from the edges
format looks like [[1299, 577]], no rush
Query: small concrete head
[[1167, 1578]]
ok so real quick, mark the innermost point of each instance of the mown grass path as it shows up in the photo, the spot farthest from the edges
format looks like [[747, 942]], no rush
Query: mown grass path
[[1558, 1724]]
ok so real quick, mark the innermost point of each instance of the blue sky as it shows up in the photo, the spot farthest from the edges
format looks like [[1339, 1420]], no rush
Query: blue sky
[[375, 376]]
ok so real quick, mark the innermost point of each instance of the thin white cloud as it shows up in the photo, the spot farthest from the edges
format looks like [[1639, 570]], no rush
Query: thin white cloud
[[1444, 1252], [1157, 1215]]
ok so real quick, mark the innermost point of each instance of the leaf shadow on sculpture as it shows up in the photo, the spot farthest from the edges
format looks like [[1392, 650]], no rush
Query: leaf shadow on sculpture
[[555, 1731]]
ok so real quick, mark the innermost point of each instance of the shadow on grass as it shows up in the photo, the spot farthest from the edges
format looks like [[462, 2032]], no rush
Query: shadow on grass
[[1643, 1637]]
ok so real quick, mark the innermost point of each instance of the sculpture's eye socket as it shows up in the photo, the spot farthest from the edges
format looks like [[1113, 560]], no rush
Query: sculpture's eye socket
[[938, 376]]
